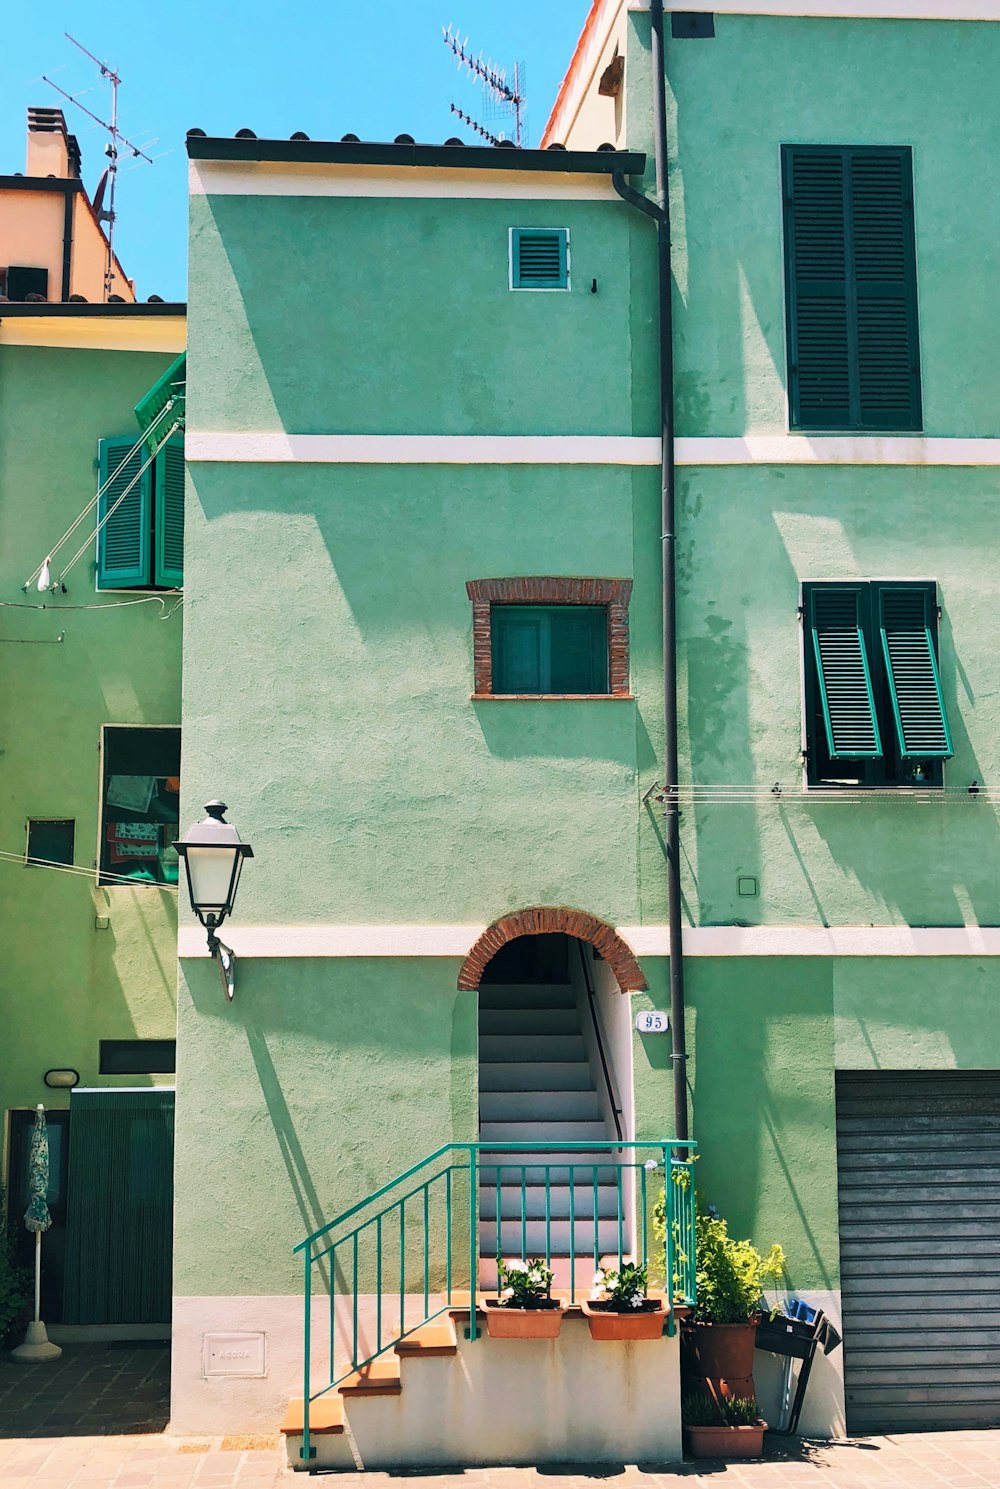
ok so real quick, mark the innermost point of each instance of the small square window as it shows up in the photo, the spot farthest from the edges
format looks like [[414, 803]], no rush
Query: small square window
[[50, 840], [550, 637], [539, 258], [139, 804], [550, 648]]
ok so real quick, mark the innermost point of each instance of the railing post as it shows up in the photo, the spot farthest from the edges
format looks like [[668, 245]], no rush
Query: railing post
[[474, 1237], [669, 1216], [307, 1450]]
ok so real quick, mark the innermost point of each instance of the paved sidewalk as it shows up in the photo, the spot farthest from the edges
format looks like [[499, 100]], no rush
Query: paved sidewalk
[[962, 1460]]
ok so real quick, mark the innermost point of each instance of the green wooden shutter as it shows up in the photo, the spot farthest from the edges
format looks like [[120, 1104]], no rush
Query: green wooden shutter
[[578, 649], [119, 1222], [885, 278], [819, 356], [851, 288], [539, 258], [520, 649], [124, 541], [168, 514], [907, 624], [844, 674]]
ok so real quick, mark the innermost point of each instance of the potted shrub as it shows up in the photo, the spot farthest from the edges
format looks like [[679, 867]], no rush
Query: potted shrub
[[525, 1307], [619, 1308], [717, 1341], [722, 1429]]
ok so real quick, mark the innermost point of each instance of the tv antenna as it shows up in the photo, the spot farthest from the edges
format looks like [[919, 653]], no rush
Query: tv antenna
[[506, 103], [104, 196]]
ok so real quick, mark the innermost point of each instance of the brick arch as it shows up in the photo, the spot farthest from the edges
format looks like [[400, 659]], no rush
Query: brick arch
[[545, 919]]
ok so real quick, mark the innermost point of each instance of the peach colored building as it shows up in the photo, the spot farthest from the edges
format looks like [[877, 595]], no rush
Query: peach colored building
[[53, 245]]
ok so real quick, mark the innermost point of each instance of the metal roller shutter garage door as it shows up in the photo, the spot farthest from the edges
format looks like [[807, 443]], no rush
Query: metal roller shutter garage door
[[919, 1187]]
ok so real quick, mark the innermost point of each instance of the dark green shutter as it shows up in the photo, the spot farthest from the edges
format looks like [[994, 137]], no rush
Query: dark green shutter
[[884, 264], [816, 269], [119, 1221], [124, 540], [578, 649], [907, 625], [539, 258], [850, 264], [169, 513], [844, 674], [517, 639]]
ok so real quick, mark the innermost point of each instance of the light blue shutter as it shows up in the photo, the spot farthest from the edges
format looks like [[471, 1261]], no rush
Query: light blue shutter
[[169, 513], [124, 541]]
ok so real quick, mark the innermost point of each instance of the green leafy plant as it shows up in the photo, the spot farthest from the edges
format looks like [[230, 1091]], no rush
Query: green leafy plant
[[524, 1284], [15, 1281], [700, 1410], [622, 1289], [732, 1275]]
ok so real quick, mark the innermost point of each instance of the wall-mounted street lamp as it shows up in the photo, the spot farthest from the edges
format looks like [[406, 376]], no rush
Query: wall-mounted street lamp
[[213, 856]]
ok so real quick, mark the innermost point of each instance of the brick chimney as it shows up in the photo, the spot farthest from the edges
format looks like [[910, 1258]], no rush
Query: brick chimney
[[51, 150]]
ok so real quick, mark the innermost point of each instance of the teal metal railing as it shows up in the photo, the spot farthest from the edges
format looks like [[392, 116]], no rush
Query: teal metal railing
[[405, 1255]]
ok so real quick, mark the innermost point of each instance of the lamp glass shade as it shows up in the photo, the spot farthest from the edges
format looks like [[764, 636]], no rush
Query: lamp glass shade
[[212, 875]]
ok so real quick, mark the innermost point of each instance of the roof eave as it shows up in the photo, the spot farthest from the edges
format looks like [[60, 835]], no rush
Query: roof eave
[[553, 160]]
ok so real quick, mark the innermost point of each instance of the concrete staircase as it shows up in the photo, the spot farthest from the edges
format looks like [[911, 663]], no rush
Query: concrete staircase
[[536, 1085]]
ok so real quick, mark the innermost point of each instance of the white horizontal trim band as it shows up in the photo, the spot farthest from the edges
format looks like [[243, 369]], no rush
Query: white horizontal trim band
[[856, 10], [270, 178], [804, 449], [645, 940], [424, 449]]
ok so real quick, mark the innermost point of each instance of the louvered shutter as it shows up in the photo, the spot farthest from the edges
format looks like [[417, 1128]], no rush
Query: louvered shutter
[[578, 648], [539, 258], [169, 513], [850, 264], [518, 643], [844, 674], [816, 269], [907, 626], [884, 268], [123, 542]]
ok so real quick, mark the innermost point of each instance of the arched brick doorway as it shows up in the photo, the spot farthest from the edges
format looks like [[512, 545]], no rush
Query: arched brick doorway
[[543, 920]]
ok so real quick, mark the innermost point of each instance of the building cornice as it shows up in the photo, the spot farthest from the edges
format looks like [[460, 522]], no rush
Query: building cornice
[[85, 310], [848, 10]]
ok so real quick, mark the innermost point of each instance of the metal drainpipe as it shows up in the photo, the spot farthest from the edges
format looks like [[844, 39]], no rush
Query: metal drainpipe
[[659, 211]]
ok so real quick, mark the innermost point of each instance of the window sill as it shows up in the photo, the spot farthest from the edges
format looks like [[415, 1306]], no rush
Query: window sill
[[552, 697]]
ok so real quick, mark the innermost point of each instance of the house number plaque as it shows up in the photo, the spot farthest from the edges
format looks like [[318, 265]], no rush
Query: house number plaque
[[652, 1022]]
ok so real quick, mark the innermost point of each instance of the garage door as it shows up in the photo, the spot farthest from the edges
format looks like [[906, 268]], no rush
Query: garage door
[[919, 1184]]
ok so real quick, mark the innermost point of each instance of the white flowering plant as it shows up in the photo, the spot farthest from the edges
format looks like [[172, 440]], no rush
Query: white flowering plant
[[621, 1289], [524, 1284]]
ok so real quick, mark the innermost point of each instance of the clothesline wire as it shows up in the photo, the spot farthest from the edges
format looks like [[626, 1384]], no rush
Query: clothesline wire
[[80, 870]]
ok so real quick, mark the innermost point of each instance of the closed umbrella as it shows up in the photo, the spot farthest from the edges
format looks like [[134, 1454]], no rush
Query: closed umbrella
[[37, 1345]]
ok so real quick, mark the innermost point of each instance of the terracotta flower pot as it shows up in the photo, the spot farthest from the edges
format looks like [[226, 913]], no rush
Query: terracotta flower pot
[[524, 1323], [725, 1442], [718, 1358], [644, 1323]]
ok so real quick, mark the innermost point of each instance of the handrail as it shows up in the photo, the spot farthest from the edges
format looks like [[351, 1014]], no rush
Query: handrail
[[616, 1110], [426, 1285]]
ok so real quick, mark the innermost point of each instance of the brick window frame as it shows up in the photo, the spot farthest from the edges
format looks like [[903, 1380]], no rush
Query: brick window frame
[[613, 594]]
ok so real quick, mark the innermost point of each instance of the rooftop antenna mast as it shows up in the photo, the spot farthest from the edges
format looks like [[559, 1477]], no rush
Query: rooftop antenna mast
[[507, 98], [116, 143]]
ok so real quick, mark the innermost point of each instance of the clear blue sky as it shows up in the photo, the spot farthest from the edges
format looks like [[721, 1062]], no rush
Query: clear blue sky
[[328, 67]]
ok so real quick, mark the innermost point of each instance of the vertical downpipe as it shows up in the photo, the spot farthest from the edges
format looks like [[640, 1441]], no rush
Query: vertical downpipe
[[659, 211]]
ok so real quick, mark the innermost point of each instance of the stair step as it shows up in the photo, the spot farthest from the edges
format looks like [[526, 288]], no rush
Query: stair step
[[522, 1048], [380, 1377], [544, 1107], [326, 1417], [526, 995], [536, 1075], [534, 1202], [554, 1134], [525, 1021], [559, 1236], [429, 1341]]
